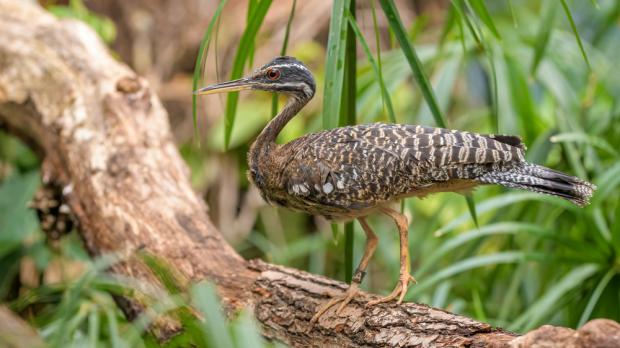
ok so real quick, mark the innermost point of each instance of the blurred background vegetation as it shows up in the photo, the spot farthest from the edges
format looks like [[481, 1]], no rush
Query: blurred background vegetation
[[544, 70]]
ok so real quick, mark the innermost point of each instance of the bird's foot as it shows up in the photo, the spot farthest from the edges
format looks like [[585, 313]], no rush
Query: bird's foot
[[343, 300], [399, 291]]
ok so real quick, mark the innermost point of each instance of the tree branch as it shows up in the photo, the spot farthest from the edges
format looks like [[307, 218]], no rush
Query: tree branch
[[104, 136]]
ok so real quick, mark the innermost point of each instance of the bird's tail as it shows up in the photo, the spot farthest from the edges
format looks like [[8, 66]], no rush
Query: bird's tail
[[540, 179]]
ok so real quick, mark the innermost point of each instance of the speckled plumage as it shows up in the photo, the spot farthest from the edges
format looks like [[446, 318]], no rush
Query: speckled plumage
[[343, 173]]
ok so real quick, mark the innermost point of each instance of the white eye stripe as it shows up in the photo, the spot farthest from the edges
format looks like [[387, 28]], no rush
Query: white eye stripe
[[289, 65]]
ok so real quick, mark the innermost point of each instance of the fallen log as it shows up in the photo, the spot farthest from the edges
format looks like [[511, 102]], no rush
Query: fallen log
[[104, 137]]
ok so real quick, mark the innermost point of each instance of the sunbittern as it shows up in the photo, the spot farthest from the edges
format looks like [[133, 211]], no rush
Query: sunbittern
[[351, 172]]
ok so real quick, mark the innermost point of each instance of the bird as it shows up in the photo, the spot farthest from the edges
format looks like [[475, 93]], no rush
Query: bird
[[355, 171]]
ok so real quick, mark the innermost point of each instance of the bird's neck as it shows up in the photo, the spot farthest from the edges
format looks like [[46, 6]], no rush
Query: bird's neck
[[266, 141]]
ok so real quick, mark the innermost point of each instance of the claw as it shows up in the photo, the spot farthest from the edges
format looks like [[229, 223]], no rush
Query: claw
[[345, 299], [400, 290]]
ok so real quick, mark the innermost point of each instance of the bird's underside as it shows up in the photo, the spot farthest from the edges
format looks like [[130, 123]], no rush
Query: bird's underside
[[347, 172]]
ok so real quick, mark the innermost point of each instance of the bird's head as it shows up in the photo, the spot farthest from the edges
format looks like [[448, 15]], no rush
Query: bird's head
[[281, 75]]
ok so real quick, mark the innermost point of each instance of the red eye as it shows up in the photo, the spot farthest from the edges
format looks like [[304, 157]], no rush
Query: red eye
[[273, 74]]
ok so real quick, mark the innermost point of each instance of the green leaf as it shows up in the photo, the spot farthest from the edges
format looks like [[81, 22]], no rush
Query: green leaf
[[412, 58], [335, 231], [214, 327], [578, 137], [246, 331], [379, 64], [416, 67], [544, 306], [17, 221], [113, 330], [348, 251], [522, 100], [459, 5], [202, 51], [244, 50], [544, 33], [478, 306], [495, 203], [467, 264], [481, 11], [471, 206], [348, 117], [385, 96], [93, 327], [335, 65], [162, 271], [596, 294], [607, 183], [500, 228], [274, 98], [512, 14], [576, 33]]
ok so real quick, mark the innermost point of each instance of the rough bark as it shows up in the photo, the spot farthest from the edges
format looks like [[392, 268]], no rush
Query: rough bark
[[15, 332], [105, 139]]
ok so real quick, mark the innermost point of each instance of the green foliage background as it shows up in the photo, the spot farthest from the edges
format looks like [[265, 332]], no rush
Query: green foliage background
[[544, 70]]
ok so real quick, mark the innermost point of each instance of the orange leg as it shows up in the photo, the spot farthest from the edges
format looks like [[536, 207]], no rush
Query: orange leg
[[360, 272], [405, 277]]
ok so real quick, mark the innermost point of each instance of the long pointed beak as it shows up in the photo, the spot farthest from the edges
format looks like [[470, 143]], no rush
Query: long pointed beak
[[230, 86]]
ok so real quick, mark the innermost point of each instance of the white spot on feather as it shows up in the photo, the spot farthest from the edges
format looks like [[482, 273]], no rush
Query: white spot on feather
[[328, 187], [340, 184]]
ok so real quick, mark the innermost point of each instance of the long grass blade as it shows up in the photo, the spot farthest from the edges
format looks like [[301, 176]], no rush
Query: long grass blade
[[499, 202], [418, 72], [113, 329], [335, 65], [522, 99], [93, 327], [494, 88], [214, 329], [375, 26], [467, 264], [243, 52], [347, 117], [478, 34], [569, 16], [578, 137], [607, 183], [515, 24], [496, 229], [478, 306], [251, 6], [459, 6], [247, 333], [471, 206], [412, 58], [483, 13], [385, 96], [448, 25], [274, 98], [202, 51], [596, 295], [544, 33], [543, 307]]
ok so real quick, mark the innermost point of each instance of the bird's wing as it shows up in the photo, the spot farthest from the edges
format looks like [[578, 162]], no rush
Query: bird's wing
[[443, 147], [357, 166]]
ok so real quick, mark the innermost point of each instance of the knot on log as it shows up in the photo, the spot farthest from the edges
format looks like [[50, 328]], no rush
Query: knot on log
[[128, 84]]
